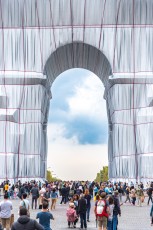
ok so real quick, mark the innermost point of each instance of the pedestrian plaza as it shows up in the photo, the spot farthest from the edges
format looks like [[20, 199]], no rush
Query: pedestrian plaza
[[132, 217]]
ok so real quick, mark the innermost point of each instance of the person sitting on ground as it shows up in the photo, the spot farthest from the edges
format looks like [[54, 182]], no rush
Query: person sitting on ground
[[45, 216], [24, 222]]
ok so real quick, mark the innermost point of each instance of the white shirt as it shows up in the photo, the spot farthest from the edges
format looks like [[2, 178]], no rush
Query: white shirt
[[5, 209], [25, 203]]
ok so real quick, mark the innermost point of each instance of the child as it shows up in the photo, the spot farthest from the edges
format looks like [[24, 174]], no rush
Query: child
[[71, 215]]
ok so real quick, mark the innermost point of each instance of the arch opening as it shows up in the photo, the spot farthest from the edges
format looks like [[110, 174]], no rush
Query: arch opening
[[77, 55], [77, 126]]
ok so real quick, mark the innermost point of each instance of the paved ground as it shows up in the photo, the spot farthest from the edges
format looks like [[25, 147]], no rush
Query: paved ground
[[133, 218]]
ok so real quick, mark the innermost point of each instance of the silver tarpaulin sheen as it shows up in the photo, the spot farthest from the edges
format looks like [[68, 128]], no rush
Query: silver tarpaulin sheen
[[39, 39]]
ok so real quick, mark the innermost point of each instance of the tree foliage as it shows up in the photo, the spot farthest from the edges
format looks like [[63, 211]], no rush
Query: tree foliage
[[50, 178], [102, 175]]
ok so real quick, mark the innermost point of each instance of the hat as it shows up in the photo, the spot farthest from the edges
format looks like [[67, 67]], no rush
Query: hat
[[71, 205]]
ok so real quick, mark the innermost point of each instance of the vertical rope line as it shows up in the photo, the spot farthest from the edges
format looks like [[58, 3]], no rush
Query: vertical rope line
[[3, 54], [134, 124], [84, 20], [98, 55], [51, 19], [71, 12], [84, 30], [115, 36], [102, 22], [22, 95], [41, 52]]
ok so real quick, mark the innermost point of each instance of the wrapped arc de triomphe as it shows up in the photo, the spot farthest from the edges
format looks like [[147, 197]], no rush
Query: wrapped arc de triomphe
[[39, 39]]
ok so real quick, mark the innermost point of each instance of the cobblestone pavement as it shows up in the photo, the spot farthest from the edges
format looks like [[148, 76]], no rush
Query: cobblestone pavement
[[132, 218]]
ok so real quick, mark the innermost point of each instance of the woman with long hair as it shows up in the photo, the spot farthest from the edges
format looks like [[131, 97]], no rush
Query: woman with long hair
[[87, 196]]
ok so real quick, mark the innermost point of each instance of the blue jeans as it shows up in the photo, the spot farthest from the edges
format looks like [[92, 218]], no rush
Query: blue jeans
[[88, 212], [110, 225], [115, 222], [83, 220]]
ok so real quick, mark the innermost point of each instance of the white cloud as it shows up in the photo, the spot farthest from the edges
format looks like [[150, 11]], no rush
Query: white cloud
[[88, 99], [55, 134], [71, 161]]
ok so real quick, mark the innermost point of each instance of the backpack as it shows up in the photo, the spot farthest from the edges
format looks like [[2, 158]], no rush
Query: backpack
[[71, 215], [101, 209]]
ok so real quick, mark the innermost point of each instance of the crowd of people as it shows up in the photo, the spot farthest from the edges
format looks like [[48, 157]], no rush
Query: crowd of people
[[107, 196]]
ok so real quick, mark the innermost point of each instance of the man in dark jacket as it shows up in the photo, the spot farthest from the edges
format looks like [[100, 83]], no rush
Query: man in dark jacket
[[64, 194], [82, 209], [35, 195], [24, 222], [21, 191], [149, 192]]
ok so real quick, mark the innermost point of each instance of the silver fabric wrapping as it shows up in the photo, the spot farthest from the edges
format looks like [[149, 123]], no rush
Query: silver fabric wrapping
[[39, 39]]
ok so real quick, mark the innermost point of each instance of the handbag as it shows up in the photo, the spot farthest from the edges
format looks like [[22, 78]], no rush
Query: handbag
[[28, 213], [19, 195], [40, 206], [142, 199], [11, 219]]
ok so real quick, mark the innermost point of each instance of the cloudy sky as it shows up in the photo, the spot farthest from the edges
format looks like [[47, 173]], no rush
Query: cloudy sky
[[77, 129]]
